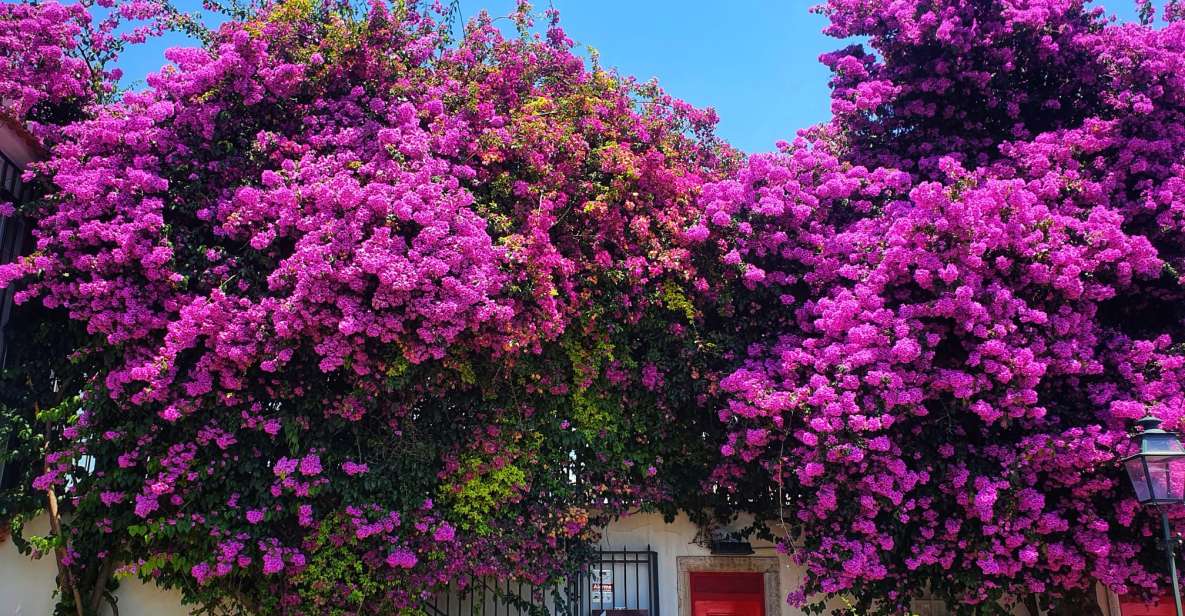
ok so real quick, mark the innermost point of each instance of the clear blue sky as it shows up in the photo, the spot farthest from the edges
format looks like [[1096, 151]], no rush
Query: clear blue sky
[[754, 61]]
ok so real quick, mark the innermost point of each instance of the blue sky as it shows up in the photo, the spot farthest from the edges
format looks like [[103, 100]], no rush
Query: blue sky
[[754, 61]]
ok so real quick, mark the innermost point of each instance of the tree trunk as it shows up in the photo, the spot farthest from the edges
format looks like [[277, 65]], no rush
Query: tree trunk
[[100, 587], [55, 525]]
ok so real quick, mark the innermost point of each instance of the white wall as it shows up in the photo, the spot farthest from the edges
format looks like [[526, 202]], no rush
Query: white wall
[[676, 539], [27, 586], [673, 540]]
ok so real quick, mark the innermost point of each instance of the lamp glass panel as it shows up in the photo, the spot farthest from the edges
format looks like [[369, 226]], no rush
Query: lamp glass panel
[[1161, 443], [1159, 477], [1166, 478], [1177, 479], [1139, 479], [1175, 472]]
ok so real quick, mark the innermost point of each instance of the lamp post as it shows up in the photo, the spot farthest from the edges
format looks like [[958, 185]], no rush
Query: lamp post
[[1157, 473]]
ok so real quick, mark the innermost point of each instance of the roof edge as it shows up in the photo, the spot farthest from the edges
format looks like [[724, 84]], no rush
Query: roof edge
[[18, 127]]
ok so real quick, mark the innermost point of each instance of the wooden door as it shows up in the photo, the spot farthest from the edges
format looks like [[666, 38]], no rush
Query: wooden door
[[1134, 606], [727, 594]]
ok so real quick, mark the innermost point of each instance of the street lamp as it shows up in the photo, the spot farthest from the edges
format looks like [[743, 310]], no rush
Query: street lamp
[[1157, 473]]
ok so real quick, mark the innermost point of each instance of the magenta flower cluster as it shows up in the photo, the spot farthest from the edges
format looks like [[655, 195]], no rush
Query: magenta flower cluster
[[45, 71], [58, 57]]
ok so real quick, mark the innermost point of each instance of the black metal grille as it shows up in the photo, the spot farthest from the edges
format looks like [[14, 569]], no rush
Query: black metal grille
[[12, 239], [632, 584], [12, 188], [615, 583], [12, 233]]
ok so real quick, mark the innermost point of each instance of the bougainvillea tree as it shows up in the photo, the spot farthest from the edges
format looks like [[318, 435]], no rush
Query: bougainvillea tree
[[362, 310], [378, 313], [979, 262]]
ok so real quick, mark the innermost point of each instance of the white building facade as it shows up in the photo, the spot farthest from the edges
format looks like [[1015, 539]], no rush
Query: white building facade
[[648, 568]]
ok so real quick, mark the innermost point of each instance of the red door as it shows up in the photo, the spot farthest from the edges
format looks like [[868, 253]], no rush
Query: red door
[[1134, 606], [727, 594]]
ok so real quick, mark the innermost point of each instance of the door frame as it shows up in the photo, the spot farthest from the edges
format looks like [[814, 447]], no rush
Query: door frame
[[769, 566]]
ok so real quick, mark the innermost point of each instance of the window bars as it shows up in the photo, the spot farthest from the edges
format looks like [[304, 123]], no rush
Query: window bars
[[614, 583], [12, 188], [12, 235]]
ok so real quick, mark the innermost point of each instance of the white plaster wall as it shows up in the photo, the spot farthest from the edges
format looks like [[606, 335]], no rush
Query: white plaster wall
[[27, 586], [673, 540]]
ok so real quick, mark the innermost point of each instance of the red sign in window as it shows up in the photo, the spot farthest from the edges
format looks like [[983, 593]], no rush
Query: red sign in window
[[1135, 606], [727, 594]]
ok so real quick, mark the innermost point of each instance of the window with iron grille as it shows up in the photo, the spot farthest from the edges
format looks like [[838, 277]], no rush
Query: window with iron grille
[[12, 187], [614, 583], [12, 235]]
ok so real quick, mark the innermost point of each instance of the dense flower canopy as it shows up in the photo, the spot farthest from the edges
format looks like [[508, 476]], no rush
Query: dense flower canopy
[[979, 260], [369, 311], [358, 289]]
